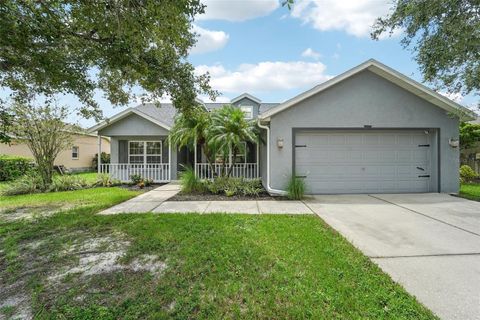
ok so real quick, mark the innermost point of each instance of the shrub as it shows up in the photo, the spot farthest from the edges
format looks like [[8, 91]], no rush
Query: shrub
[[136, 178], [12, 167], [190, 182], [467, 174], [24, 185], [105, 180], [68, 183], [235, 186], [147, 182], [296, 188], [105, 157]]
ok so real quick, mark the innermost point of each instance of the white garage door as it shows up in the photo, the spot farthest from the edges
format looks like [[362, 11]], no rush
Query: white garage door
[[374, 161]]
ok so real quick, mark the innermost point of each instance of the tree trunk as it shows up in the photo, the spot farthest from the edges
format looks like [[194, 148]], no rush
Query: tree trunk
[[234, 156]]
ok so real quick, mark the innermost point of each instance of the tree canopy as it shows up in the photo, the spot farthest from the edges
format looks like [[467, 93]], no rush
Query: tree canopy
[[445, 36], [77, 47], [469, 135]]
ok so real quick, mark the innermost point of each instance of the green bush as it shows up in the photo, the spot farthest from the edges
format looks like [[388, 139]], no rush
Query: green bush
[[105, 157], [68, 183], [190, 182], [136, 178], [12, 167], [467, 174], [235, 186], [296, 188], [24, 185], [105, 180]]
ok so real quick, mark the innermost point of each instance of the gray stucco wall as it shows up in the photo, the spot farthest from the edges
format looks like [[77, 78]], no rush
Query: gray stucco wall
[[364, 99], [133, 125]]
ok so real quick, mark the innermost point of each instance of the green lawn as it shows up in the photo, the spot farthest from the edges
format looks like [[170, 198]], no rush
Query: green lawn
[[198, 267], [91, 177], [94, 197], [470, 191]]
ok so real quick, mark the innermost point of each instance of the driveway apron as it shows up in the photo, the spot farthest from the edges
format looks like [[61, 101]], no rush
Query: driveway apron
[[429, 243]]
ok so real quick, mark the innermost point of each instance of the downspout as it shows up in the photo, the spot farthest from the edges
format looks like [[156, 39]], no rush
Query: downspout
[[269, 188]]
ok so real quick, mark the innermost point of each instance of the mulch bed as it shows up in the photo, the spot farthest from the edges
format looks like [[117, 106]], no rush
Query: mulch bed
[[220, 197], [134, 187]]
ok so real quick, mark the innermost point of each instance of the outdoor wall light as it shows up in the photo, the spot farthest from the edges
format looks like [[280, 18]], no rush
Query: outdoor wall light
[[280, 143], [453, 142]]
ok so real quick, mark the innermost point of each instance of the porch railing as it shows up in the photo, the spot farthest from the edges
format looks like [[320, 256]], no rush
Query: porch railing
[[240, 170], [158, 172]]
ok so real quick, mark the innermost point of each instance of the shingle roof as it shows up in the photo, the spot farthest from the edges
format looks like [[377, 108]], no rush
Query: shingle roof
[[165, 112]]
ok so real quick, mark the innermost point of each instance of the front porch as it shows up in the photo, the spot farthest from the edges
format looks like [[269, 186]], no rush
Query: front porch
[[157, 172], [154, 159]]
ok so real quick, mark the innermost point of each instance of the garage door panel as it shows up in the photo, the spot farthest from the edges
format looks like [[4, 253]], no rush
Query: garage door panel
[[364, 162]]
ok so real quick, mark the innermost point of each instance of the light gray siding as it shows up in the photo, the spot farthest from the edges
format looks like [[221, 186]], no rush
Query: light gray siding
[[247, 102], [133, 125], [364, 99]]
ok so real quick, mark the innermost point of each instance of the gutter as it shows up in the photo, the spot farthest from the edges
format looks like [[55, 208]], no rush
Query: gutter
[[269, 189]]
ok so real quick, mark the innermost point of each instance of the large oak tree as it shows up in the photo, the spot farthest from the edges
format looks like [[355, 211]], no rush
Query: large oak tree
[[115, 46], [445, 37]]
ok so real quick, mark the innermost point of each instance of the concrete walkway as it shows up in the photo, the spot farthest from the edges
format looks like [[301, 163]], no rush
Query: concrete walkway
[[248, 207], [156, 201], [147, 201], [429, 243]]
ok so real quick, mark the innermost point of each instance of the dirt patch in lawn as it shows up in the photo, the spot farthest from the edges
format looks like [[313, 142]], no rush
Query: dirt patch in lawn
[[31, 212], [221, 197], [71, 265]]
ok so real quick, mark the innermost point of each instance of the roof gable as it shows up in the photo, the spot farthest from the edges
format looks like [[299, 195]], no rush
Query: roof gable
[[125, 114], [248, 96], [388, 74]]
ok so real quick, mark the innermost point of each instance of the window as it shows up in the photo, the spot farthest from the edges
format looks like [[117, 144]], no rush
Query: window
[[241, 153], [75, 150], [248, 111], [144, 152]]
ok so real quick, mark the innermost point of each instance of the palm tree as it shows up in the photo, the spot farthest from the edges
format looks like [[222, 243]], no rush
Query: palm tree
[[229, 131], [191, 129]]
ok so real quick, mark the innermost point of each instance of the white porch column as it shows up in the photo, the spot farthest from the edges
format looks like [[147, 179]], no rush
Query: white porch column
[[258, 159], [99, 162], [169, 160], [195, 156]]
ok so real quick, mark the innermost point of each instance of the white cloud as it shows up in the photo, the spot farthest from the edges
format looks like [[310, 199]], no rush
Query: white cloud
[[355, 17], [310, 53], [454, 96], [237, 10], [265, 76], [208, 40]]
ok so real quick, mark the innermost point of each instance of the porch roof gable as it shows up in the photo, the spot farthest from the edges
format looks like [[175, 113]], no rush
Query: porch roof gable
[[125, 114]]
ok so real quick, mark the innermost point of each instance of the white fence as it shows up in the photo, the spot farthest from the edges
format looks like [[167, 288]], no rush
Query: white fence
[[240, 170], [158, 172]]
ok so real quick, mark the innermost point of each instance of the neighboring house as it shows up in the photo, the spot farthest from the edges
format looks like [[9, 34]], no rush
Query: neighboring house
[[471, 156], [368, 130], [77, 158]]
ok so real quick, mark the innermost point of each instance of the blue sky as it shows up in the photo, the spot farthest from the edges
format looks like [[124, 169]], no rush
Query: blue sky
[[260, 47]]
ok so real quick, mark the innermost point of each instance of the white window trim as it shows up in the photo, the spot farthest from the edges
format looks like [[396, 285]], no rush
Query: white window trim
[[250, 112], [78, 153], [144, 155]]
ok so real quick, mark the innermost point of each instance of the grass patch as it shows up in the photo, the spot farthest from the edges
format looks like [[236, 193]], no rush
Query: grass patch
[[215, 267], [25, 206], [470, 191], [91, 177]]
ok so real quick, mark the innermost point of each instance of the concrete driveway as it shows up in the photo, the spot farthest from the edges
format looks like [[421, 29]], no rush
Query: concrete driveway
[[429, 243]]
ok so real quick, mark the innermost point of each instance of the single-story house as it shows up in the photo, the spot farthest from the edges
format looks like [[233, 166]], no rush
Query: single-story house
[[368, 130], [77, 158]]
